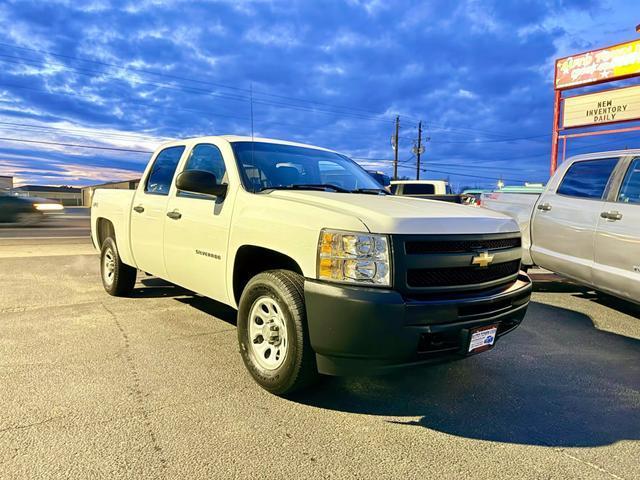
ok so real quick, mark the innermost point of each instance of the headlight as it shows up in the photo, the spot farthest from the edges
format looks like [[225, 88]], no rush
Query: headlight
[[352, 257], [48, 206]]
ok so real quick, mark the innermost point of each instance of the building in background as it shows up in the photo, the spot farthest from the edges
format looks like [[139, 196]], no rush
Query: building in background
[[87, 192], [67, 196], [6, 183]]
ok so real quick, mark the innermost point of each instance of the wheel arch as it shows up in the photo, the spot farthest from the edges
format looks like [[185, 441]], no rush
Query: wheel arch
[[104, 230], [251, 260]]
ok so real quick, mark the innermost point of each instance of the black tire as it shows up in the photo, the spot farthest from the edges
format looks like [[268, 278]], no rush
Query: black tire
[[298, 368], [118, 278]]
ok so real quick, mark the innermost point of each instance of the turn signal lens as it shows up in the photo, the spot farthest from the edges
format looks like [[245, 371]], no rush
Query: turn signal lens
[[349, 257]]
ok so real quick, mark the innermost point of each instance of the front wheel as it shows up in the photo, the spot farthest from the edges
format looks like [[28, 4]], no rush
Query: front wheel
[[272, 332], [118, 278]]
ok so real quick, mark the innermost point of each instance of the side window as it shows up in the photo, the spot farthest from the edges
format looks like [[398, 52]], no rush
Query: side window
[[209, 158], [161, 174], [587, 179], [630, 190]]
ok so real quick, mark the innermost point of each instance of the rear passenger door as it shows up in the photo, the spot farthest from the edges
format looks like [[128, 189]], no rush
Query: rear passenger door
[[565, 220], [617, 258]]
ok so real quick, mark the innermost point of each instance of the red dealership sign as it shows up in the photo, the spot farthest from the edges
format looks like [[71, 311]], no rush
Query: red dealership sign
[[612, 63]]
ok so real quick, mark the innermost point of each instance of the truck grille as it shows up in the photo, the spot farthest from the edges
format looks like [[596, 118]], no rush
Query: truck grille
[[446, 277], [460, 246], [435, 264]]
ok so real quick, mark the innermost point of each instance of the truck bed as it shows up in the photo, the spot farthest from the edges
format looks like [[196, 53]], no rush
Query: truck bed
[[113, 205], [520, 207]]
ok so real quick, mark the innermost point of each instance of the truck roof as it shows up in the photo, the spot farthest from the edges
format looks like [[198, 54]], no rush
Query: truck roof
[[609, 153], [418, 182], [241, 138]]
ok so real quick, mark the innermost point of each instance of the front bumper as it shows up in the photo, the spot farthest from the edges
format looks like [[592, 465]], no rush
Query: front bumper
[[356, 330]]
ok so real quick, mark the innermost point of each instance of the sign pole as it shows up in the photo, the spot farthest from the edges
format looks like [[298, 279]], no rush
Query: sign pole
[[418, 150], [556, 128]]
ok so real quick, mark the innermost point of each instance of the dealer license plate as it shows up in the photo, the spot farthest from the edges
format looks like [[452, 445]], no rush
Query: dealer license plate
[[482, 338]]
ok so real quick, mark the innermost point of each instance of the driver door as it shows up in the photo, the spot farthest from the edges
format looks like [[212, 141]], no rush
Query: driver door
[[196, 229]]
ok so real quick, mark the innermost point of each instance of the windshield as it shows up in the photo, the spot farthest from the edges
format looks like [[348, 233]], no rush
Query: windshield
[[272, 165]]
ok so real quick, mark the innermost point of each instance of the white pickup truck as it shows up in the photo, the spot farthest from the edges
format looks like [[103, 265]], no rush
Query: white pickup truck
[[427, 189], [586, 223], [329, 273]]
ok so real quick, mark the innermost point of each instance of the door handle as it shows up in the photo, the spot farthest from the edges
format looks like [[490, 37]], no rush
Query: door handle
[[613, 215], [175, 215], [139, 208], [545, 207]]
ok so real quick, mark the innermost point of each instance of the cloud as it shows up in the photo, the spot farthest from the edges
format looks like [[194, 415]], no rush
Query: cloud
[[328, 73]]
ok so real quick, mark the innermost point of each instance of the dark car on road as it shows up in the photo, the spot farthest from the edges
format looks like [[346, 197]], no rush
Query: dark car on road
[[24, 211]]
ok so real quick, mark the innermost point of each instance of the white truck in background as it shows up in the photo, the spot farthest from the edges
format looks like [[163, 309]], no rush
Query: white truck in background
[[426, 189], [585, 225], [330, 274]]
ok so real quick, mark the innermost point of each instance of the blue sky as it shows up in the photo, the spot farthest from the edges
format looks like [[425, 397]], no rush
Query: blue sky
[[129, 75]]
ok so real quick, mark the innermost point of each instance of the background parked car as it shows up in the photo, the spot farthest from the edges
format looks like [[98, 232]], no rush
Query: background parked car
[[381, 178]]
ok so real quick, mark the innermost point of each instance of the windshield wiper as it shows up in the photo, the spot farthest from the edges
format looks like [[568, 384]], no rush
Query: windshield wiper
[[307, 186], [370, 191]]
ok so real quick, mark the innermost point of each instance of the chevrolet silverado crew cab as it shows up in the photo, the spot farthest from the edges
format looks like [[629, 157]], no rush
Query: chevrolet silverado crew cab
[[585, 225], [328, 272]]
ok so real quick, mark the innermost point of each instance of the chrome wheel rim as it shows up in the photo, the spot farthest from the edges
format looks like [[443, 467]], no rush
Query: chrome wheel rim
[[268, 340], [108, 266]]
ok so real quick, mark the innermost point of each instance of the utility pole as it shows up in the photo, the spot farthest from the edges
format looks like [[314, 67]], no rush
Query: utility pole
[[418, 150], [395, 144]]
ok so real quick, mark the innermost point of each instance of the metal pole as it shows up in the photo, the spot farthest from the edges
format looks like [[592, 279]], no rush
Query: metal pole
[[556, 128], [418, 150], [397, 147]]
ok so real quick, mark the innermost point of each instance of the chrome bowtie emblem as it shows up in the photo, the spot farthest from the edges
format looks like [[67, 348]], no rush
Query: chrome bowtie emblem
[[482, 260]]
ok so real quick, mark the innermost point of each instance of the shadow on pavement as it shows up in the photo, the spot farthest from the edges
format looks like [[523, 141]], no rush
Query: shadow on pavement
[[154, 287], [556, 381], [211, 307], [590, 294]]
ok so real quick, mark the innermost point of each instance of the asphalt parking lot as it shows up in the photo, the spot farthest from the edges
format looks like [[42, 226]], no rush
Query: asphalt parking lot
[[153, 387]]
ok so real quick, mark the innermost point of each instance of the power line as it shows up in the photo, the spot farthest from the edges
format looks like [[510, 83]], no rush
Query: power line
[[177, 77], [96, 147], [473, 176], [493, 140], [80, 133], [350, 111], [194, 90]]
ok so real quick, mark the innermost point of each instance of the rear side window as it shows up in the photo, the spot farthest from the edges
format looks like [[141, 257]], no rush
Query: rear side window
[[587, 179], [162, 171], [418, 189], [630, 190]]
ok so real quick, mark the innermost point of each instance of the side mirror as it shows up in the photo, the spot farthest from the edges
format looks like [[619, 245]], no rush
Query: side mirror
[[200, 181]]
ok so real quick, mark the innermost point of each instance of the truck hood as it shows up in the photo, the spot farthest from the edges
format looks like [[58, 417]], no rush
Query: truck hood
[[406, 215]]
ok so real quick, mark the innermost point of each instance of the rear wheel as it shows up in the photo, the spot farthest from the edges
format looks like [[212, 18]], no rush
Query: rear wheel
[[272, 332], [118, 278]]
